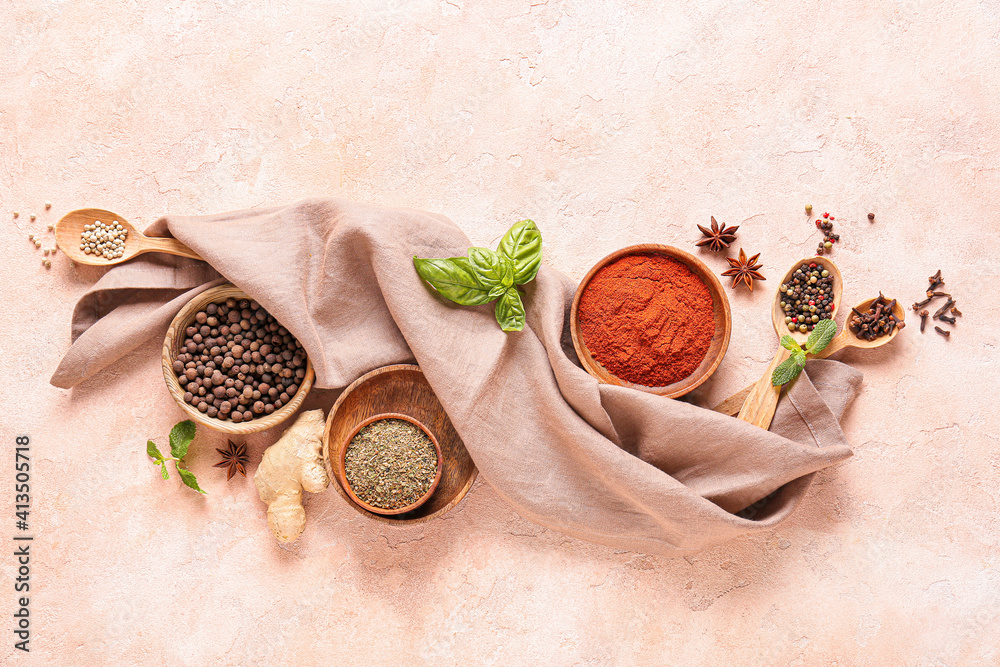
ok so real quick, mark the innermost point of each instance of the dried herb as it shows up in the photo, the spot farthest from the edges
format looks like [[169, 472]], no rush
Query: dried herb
[[744, 270], [234, 459], [390, 463], [181, 436], [485, 275], [718, 237], [790, 368]]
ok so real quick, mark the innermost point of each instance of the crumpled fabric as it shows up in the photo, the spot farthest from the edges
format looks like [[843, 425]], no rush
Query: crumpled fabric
[[602, 463]]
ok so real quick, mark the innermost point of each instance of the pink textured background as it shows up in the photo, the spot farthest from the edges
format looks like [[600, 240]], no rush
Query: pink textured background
[[609, 123]]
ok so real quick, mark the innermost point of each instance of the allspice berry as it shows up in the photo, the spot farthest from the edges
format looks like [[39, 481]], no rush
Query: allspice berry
[[237, 363]]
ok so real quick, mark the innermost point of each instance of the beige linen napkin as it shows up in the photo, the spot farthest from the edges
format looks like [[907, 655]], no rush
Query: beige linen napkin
[[606, 464]]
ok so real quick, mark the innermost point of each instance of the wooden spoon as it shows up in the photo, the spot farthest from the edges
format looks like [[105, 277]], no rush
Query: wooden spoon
[[844, 339], [758, 409], [70, 227]]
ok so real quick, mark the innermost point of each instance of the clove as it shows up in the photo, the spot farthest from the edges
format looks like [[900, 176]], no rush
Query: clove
[[921, 304], [945, 318], [943, 309], [942, 331], [956, 311], [932, 293], [923, 320]]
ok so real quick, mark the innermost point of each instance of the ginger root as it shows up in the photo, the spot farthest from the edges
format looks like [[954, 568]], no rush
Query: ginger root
[[293, 463]]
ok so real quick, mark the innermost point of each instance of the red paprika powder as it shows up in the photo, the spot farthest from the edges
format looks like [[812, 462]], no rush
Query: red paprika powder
[[647, 318]]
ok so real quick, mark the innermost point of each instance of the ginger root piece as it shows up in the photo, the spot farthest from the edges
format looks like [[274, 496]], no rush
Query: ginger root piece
[[293, 463]]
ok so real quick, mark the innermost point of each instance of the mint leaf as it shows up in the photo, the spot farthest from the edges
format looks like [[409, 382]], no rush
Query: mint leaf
[[821, 336], [799, 357], [189, 479], [789, 343], [163, 470], [491, 268], [510, 311], [455, 279], [181, 436], [786, 371], [153, 452], [522, 245]]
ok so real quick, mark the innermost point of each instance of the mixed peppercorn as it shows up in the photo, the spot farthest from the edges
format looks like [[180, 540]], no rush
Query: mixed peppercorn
[[807, 298]]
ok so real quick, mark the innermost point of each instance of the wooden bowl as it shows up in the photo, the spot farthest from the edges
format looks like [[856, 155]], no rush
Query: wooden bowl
[[171, 347], [400, 389], [342, 469], [720, 313]]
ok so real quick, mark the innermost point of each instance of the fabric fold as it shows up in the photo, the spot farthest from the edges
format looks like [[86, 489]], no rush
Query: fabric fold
[[606, 464]]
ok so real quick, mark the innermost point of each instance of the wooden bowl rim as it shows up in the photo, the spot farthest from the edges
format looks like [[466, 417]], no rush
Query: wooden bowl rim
[[721, 310], [327, 459], [171, 341], [422, 499]]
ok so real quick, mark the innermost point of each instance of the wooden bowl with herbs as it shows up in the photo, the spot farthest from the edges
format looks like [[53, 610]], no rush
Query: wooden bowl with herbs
[[651, 317], [231, 366], [391, 464], [401, 389]]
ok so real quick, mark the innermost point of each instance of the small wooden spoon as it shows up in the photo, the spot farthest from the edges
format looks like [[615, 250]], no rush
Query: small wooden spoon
[[758, 409], [70, 227], [844, 339]]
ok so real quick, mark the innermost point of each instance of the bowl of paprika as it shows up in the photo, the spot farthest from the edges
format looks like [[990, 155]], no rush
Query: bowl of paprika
[[651, 317]]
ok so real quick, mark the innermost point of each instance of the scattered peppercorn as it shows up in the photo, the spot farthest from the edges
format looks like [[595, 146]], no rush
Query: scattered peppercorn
[[809, 209], [48, 205], [32, 216], [237, 362], [16, 213], [807, 298], [825, 224], [871, 217]]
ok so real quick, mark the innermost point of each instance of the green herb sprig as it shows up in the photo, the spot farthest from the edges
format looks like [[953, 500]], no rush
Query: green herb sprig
[[487, 275], [181, 436], [790, 368]]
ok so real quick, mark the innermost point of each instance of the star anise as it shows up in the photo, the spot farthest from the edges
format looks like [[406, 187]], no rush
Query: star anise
[[234, 458], [718, 237], [744, 269]]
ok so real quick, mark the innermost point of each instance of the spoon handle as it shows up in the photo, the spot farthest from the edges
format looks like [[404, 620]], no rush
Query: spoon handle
[[758, 408], [733, 404], [169, 246]]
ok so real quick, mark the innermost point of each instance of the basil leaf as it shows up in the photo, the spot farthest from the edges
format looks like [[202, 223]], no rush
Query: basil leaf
[[522, 245], [491, 268], [454, 279], [789, 343], [786, 371], [498, 291], [189, 479], [181, 436], [821, 335], [153, 452], [510, 311]]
